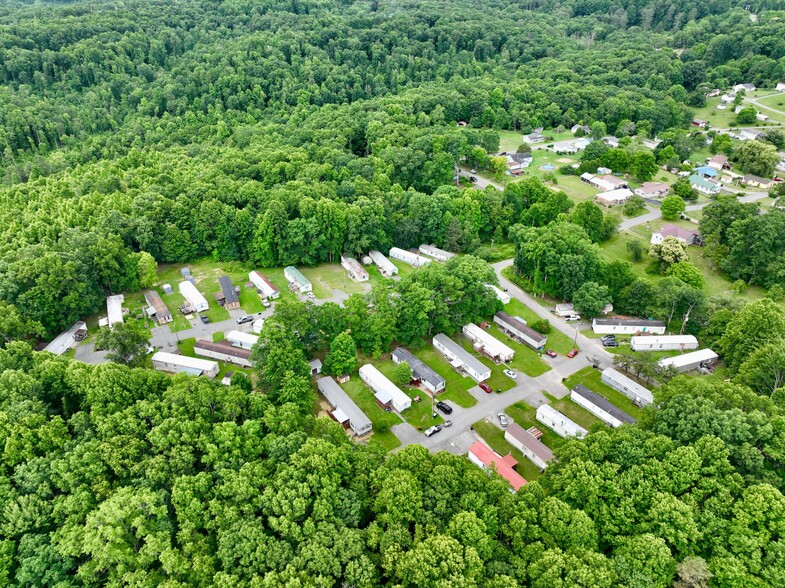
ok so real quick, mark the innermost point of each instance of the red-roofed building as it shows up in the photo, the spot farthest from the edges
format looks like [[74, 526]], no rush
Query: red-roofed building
[[484, 457]]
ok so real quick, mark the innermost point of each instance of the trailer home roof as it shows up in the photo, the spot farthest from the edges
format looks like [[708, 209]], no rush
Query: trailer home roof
[[603, 403]]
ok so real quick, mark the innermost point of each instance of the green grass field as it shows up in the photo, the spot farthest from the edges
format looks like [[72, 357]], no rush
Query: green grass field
[[420, 412], [590, 378], [456, 389], [777, 102], [526, 359], [494, 437], [576, 413]]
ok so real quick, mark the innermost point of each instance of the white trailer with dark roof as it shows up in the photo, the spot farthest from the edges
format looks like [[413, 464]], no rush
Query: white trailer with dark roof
[[639, 394], [559, 423], [264, 286], [516, 328], [344, 407], [600, 407], [420, 371]]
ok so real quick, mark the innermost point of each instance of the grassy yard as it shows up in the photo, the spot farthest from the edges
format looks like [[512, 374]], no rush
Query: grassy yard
[[331, 276], [497, 381], [456, 389], [526, 359], [557, 340], [576, 413], [526, 416], [590, 378], [420, 412], [363, 398], [494, 437], [218, 336], [777, 102]]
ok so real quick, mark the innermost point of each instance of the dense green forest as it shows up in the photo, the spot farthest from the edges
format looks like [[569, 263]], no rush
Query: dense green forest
[[290, 132]]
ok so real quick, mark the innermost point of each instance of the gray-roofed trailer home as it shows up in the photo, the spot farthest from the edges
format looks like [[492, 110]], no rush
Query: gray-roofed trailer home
[[640, 395], [600, 407], [535, 450], [435, 252], [460, 359], [343, 406], [427, 377], [627, 326], [227, 297], [516, 329], [65, 340]]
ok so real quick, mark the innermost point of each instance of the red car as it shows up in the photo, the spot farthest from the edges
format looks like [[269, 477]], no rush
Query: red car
[[486, 387], [572, 353], [550, 353]]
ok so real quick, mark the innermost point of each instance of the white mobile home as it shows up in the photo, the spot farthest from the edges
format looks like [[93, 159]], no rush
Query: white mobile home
[[345, 411], [297, 280], [354, 269], [241, 339], [182, 364], [515, 328], [427, 377], [663, 343], [559, 423], [691, 361], [386, 267], [65, 340], [486, 343], [114, 309], [193, 296], [223, 351], [412, 259], [535, 450], [640, 395], [435, 252], [503, 297], [157, 308], [627, 326], [264, 286], [377, 382], [257, 325], [600, 407], [460, 359]]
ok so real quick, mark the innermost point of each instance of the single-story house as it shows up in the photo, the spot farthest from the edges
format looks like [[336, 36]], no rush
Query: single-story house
[[517, 329], [227, 297], [762, 117], [585, 128], [344, 410], [534, 137], [600, 406], [527, 443], [719, 162], [223, 351], [605, 183], [518, 161], [688, 236], [706, 171], [614, 197], [757, 182], [354, 269], [627, 326], [748, 135], [264, 286], [703, 185], [420, 371], [612, 142], [745, 87], [460, 359], [157, 308], [697, 122], [485, 343], [486, 459], [727, 98], [652, 190]]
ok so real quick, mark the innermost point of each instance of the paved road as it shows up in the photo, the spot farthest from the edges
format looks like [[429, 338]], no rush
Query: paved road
[[759, 105]]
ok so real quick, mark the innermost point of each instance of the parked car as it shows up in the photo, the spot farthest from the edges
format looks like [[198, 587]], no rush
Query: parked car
[[486, 387], [550, 353], [610, 343], [472, 179], [444, 407], [447, 423], [205, 319], [266, 303], [511, 374], [572, 317], [473, 171], [572, 353], [244, 319], [503, 419], [433, 430], [605, 338]]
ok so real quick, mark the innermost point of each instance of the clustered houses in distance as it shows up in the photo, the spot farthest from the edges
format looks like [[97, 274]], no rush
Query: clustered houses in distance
[[460, 359], [223, 351], [408, 257], [65, 340], [420, 371], [297, 281], [663, 343], [156, 307], [227, 297], [515, 328], [559, 423], [640, 395], [354, 269], [386, 393], [503, 297], [344, 410], [487, 344], [435, 252], [386, 267], [623, 326], [529, 444], [486, 459], [600, 407], [182, 364], [194, 298], [704, 358], [264, 287]]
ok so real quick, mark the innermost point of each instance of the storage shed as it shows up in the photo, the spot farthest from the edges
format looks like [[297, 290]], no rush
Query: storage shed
[[377, 382], [691, 361], [193, 296], [625, 326], [535, 450], [427, 377], [486, 343], [516, 328], [663, 343], [241, 339], [600, 406], [559, 423], [223, 351], [344, 406], [182, 364], [460, 359], [639, 394], [386, 267]]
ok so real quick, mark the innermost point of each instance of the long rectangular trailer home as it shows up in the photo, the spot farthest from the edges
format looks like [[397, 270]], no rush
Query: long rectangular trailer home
[[559, 423], [412, 259], [344, 410], [264, 286], [420, 371], [241, 339], [435, 252], [460, 359], [663, 343], [486, 343], [386, 267], [691, 361], [67, 339], [156, 307], [182, 364], [223, 351], [627, 326], [297, 279], [640, 395], [354, 269], [193, 296], [516, 328], [535, 450], [228, 296], [503, 297], [379, 383], [114, 309], [600, 407]]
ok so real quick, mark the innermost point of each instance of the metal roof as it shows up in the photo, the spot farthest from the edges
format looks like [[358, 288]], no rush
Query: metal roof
[[529, 441], [603, 403], [464, 356], [628, 322], [340, 400], [227, 289], [222, 347], [419, 369]]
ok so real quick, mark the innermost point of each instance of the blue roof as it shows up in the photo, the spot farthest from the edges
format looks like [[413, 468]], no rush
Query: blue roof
[[707, 170]]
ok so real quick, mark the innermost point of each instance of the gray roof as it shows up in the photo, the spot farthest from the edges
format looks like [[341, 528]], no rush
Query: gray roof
[[629, 322], [603, 403], [529, 441], [466, 357], [518, 325], [340, 399], [419, 369], [227, 289]]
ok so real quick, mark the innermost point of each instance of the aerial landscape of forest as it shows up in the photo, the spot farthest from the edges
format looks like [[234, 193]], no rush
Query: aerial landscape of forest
[[392, 293]]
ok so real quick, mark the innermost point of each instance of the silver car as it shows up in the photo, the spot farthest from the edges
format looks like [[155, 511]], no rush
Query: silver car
[[503, 419]]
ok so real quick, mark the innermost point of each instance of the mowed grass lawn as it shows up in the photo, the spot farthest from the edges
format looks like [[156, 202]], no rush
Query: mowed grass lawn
[[331, 276], [494, 437], [526, 417], [591, 378], [420, 413], [363, 398], [574, 412], [497, 381], [526, 359], [557, 340]]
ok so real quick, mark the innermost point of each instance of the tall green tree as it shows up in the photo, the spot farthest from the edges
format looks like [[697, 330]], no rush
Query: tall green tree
[[127, 342]]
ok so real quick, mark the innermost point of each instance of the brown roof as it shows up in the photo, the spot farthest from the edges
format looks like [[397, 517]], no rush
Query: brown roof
[[677, 231], [529, 441], [153, 299], [719, 158], [223, 347]]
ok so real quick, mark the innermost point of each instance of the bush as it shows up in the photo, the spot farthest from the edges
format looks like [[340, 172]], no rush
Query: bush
[[542, 326], [381, 427]]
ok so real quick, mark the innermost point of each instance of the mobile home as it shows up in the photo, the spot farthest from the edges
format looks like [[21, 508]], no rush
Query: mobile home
[[663, 343], [377, 382], [515, 328], [691, 361], [386, 267], [623, 326], [559, 423], [427, 377], [640, 395], [600, 407], [67, 339], [114, 309], [524, 441], [486, 343], [503, 297], [412, 259], [344, 410], [182, 364], [227, 297], [241, 339], [297, 280], [156, 307], [223, 351], [354, 269], [486, 459], [193, 296], [460, 359], [435, 252], [264, 286]]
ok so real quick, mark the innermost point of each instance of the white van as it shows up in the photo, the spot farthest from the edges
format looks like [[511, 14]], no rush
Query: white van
[[572, 317]]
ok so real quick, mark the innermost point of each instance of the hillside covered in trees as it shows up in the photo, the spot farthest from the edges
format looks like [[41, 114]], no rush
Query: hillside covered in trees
[[290, 132]]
